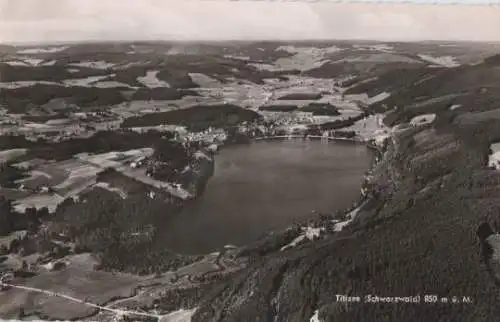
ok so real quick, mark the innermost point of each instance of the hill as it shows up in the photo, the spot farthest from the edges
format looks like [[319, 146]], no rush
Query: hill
[[431, 190]]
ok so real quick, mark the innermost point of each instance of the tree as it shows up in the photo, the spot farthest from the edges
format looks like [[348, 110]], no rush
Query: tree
[[170, 152], [32, 219], [169, 158], [6, 217]]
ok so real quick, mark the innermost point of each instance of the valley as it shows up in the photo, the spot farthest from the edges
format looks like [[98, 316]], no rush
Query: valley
[[102, 143]]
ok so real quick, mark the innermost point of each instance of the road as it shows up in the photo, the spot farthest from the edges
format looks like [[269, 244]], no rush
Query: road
[[117, 312]]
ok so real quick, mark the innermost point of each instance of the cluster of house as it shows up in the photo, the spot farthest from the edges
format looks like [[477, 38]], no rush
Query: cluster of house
[[291, 128], [295, 118], [58, 129], [208, 136], [138, 162]]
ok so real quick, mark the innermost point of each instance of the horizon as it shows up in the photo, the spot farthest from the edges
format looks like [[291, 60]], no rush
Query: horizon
[[73, 21], [252, 41]]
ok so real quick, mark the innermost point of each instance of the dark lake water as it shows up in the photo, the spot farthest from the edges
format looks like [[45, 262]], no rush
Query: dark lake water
[[265, 186]]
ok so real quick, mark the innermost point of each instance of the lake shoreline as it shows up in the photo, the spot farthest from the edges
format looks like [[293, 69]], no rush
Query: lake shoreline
[[310, 218]]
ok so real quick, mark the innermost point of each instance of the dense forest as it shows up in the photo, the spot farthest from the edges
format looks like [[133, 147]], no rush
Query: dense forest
[[338, 124], [168, 160], [196, 118], [11, 220], [301, 96], [321, 109], [100, 142], [279, 108], [121, 231], [10, 174]]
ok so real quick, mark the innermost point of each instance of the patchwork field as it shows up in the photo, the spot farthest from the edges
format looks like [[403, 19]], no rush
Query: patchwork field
[[77, 120], [48, 183]]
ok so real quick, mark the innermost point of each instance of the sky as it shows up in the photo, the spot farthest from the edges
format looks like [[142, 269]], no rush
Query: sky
[[45, 21]]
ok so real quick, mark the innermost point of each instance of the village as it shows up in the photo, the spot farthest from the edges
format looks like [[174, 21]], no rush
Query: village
[[51, 182]]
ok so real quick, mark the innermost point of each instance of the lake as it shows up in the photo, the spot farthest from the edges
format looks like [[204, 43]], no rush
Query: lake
[[267, 185]]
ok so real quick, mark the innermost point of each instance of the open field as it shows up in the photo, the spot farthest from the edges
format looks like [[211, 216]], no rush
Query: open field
[[71, 177], [8, 155], [95, 287], [101, 288]]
